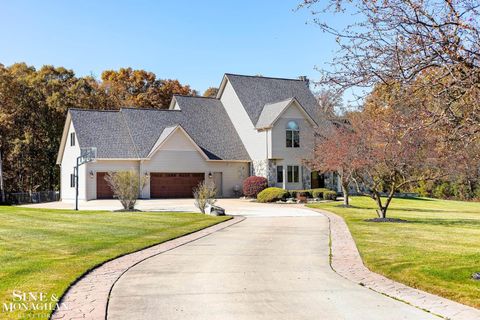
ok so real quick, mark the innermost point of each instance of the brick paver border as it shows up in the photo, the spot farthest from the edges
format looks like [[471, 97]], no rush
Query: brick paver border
[[88, 297], [346, 261]]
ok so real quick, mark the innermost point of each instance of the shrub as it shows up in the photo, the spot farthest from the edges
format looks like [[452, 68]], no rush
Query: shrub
[[318, 193], [294, 193], [253, 185], [272, 195], [443, 191], [330, 195], [423, 189], [204, 194], [126, 186]]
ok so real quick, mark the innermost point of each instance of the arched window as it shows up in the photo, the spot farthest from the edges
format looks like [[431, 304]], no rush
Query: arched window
[[293, 134]]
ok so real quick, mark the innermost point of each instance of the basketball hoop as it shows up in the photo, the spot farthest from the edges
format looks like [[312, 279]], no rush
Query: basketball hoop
[[87, 155]]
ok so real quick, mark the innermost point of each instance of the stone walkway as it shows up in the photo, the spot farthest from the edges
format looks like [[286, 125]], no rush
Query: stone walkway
[[88, 297], [347, 262]]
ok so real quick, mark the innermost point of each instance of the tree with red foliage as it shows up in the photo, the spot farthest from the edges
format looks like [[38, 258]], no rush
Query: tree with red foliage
[[336, 150], [253, 185], [397, 147]]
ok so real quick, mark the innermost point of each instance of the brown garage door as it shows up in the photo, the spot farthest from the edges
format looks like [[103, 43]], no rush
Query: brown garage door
[[103, 189], [174, 185]]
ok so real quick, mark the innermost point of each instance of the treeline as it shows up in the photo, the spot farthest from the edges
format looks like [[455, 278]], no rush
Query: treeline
[[33, 107]]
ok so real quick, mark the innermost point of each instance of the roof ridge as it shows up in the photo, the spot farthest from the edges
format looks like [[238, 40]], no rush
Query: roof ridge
[[201, 97], [147, 109], [93, 110], [262, 77]]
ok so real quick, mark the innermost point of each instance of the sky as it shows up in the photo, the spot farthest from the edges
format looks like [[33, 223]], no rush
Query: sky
[[195, 42]]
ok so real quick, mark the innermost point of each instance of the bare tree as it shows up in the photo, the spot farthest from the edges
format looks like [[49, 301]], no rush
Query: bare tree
[[126, 186], [329, 101], [431, 45], [204, 195]]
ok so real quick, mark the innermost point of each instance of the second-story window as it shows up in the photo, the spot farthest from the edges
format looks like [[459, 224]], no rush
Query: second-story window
[[72, 139], [293, 135]]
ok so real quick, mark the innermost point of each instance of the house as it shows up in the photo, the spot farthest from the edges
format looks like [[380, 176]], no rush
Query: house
[[254, 126]]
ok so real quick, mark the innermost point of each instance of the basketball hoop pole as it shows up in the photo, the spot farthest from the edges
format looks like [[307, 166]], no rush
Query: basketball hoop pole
[[89, 155], [76, 184]]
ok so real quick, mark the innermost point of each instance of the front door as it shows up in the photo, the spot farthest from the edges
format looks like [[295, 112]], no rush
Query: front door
[[318, 180]]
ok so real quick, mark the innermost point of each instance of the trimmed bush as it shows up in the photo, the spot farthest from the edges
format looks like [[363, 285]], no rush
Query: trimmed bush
[[272, 195], [253, 185], [293, 193], [318, 193], [310, 193], [330, 195]]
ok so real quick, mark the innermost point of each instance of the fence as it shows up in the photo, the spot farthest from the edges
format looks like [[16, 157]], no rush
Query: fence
[[32, 197]]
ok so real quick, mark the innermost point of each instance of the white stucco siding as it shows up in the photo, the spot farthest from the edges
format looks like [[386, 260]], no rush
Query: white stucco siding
[[69, 159], [254, 141], [178, 141], [292, 156], [278, 140], [290, 185], [92, 168]]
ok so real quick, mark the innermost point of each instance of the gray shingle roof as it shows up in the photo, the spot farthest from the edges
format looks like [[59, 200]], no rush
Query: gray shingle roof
[[255, 92], [105, 130], [270, 112], [132, 133]]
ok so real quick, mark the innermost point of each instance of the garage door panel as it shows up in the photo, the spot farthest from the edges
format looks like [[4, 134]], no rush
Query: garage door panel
[[103, 189], [174, 185]]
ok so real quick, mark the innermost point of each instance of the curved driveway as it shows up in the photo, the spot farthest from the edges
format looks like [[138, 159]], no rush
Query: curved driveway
[[265, 267]]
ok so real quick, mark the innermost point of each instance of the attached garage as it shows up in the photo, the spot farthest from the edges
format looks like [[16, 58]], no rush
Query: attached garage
[[174, 185], [103, 189]]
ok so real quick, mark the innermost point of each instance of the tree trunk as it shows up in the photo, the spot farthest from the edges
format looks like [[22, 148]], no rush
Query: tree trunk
[[2, 191], [382, 209], [382, 212], [346, 196]]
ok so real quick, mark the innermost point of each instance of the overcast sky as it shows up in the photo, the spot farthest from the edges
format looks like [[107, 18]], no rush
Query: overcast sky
[[193, 41]]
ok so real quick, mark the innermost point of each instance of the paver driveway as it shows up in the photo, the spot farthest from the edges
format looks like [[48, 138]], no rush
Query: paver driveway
[[262, 268]]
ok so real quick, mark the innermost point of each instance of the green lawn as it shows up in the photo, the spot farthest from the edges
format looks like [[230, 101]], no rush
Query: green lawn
[[437, 251], [45, 250]]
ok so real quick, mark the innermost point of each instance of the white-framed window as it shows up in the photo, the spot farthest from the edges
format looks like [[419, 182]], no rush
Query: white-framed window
[[293, 174], [72, 139], [292, 134], [279, 174]]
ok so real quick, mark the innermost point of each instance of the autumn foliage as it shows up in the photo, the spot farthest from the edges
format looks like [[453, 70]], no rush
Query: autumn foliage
[[34, 104], [253, 185]]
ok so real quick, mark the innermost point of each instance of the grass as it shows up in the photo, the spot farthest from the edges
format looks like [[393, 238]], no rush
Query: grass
[[46, 250], [437, 251]]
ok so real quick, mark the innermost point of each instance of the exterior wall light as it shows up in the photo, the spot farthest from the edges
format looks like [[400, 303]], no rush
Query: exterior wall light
[[210, 175], [92, 174]]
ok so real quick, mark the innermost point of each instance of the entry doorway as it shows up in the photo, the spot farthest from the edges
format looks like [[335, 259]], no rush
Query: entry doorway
[[317, 180], [217, 180]]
